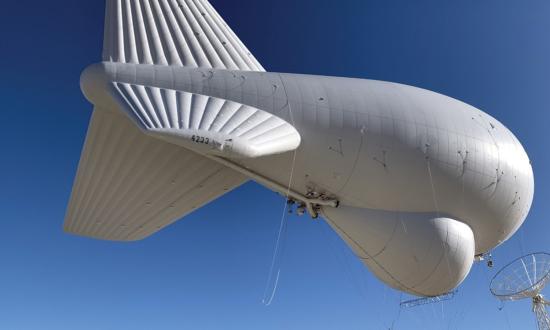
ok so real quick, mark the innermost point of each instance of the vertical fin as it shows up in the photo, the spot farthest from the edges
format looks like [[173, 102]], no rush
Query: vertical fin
[[172, 32]]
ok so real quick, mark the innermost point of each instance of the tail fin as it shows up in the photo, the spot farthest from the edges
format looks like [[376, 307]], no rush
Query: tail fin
[[172, 32], [130, 185]]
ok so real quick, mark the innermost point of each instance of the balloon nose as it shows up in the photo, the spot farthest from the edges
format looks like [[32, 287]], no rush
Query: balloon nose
[[510, 197]]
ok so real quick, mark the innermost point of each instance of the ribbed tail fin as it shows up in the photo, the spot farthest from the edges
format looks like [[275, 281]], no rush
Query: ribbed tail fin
[[130, 185], [172, 32]]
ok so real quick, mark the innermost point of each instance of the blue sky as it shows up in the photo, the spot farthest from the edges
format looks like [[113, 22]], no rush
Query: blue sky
[[209, 270]]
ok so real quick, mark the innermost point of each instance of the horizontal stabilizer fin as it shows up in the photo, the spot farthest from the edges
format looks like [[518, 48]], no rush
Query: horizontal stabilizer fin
[[206, 124], [130, 185], [172, 32]]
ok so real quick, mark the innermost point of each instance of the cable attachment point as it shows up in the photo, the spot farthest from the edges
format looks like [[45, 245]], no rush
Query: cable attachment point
[[297, 207], [314, 200], [301, 209], [485, 256]]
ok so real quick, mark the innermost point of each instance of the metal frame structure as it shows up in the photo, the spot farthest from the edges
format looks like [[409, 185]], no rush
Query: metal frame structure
[[525, 278]]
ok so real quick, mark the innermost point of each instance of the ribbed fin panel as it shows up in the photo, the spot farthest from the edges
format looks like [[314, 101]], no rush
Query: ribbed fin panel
[[223, 127], [130, 185], [172, 32]]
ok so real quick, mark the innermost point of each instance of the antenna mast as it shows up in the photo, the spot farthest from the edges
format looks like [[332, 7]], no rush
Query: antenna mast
[[539, 308]]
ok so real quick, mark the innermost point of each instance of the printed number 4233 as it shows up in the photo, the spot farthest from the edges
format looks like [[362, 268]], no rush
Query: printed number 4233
[[200, 139]]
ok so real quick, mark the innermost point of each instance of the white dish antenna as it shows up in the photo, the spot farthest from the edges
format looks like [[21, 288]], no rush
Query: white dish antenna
[[525, 278]]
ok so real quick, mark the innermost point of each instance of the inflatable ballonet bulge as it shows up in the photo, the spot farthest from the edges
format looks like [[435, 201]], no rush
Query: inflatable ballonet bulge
[[415, 182]]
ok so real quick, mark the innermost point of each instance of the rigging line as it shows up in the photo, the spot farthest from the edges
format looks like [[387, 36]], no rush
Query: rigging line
[[398, 312], [433, 314], [280, 236], [442, 313], [432, 185], [291, 115], [462, 315], [452, 319], [464, 163], [282, 226], [340, 257], [274, 289], [507, 319], [339, 229], [428, 163], [363, 132], [277, 255]]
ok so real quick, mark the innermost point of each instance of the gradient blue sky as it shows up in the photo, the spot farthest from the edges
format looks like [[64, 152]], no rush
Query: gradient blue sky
[[209, 270]]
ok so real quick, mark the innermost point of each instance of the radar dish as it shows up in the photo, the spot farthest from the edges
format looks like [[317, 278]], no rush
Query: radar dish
[[525, 277]]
